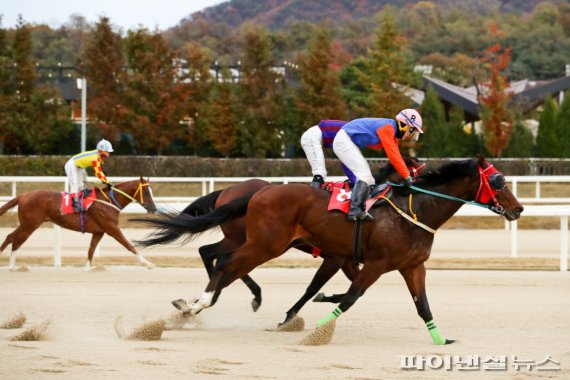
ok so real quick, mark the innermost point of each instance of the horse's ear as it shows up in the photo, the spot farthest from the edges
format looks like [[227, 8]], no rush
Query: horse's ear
[[481, 160], [142, 179]]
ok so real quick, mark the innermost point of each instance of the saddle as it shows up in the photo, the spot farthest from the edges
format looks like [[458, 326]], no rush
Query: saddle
[[86, 196], [340, 195]]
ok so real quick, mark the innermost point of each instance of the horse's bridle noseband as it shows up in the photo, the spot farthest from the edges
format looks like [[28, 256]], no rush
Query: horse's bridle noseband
[[492, 183]]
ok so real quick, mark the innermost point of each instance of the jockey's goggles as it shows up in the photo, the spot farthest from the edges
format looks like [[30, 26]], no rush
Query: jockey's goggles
[[414, 132]]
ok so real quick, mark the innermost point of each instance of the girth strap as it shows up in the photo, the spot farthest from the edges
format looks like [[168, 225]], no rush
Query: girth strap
[[357, 257]]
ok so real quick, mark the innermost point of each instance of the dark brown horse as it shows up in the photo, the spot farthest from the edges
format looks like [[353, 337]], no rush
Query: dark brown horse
[[282, 215], [101, 218], [235, 235]]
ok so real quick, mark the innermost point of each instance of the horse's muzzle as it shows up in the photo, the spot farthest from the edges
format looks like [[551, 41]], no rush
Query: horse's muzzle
[[513, 214]]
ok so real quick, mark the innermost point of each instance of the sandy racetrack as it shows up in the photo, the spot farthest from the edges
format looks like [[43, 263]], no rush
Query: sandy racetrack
[[490, 313]]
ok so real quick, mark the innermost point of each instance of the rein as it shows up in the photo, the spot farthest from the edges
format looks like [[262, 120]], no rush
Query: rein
[[484, 187], [414, 220], [117, 206]]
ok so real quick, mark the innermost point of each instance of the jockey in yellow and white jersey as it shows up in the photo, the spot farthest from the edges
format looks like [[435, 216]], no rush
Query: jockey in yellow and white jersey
[[76, 165]]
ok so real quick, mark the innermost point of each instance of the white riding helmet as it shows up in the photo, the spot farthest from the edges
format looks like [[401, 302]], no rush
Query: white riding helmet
[[411, 117], [104, 146]]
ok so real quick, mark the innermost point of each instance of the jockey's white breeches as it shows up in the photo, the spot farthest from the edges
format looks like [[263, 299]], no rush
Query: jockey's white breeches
[[351, 156], [75, 176], [312, 143]]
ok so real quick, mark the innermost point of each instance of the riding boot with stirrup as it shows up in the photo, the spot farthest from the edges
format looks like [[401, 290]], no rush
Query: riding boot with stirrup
[[358, 197], [77, 204], [318, 181]]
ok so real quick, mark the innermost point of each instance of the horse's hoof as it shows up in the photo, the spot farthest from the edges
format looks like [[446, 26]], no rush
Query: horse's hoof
[[150, 266], [449, 341], [319, 297], [255, 305], [292, 324], [179, 304]]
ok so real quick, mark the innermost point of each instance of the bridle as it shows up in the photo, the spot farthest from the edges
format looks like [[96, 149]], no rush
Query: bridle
[[416, 170], [139, 193], [491, 183]]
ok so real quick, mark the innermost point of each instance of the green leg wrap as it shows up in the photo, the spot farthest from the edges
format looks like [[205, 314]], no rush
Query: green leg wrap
[[434, 332], [334, 315]]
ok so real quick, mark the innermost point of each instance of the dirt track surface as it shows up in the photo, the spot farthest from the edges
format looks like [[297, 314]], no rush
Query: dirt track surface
[[490, 313]]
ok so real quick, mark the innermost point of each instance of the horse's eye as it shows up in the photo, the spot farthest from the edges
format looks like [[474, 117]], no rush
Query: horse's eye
[[497, 181]]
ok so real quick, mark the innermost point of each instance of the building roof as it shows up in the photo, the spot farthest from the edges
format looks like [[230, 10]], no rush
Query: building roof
[[526, 93]]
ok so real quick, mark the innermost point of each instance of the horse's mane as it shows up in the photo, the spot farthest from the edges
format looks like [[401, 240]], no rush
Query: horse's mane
[[386, 170], [448, 172]]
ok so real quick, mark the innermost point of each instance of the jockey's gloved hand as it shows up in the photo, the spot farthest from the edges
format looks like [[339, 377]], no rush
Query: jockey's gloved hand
[[408, 181], [110, 185]]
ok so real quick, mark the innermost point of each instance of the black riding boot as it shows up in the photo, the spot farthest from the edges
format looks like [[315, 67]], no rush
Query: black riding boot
[[77, 204], [318, 181], [357, 199]]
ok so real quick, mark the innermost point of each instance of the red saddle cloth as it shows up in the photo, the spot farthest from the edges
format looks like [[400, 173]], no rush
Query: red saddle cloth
[[67, 203], [340, 197]]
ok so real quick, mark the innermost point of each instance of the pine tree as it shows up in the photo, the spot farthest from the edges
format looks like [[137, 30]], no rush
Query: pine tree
[[563, 126], [17, 103], [387, 66], [520, 144], [318, 96], [547, 139], [355, 90], [457, 142], [434, 140], [102, 63], [5, 88], [49, 127]]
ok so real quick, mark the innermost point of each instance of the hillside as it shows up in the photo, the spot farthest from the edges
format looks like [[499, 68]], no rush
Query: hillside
[[279, 14]]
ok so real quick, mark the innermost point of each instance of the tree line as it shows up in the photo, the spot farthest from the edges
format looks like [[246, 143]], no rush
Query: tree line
[[149, 95]]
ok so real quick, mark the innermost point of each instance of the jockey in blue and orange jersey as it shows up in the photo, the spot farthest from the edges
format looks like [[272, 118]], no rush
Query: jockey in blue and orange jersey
[[374, 133], [76, 165], [313, 141]]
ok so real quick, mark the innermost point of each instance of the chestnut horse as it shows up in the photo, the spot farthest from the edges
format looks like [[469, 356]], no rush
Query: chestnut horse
[[101, 218], [235, 235], [279, 216]]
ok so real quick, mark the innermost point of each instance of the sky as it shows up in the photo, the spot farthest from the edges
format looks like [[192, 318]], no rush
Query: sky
[[127, 14]]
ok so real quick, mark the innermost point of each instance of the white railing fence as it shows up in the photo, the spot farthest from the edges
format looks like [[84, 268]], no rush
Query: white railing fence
[[540, 206]]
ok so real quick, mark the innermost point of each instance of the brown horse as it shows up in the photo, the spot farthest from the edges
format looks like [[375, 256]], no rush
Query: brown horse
[[235, 235], [101, 218], [280, 216]]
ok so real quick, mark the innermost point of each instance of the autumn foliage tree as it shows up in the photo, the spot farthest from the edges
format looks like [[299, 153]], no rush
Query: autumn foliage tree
[[200, 83], [318, 96], [102, 63], [258, 90], [494, 98], [221, 116], [154, 96]]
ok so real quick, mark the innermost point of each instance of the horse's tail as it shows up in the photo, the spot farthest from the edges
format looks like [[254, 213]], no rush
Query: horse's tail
[[203, 205], [12, 203], [170, 228]]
